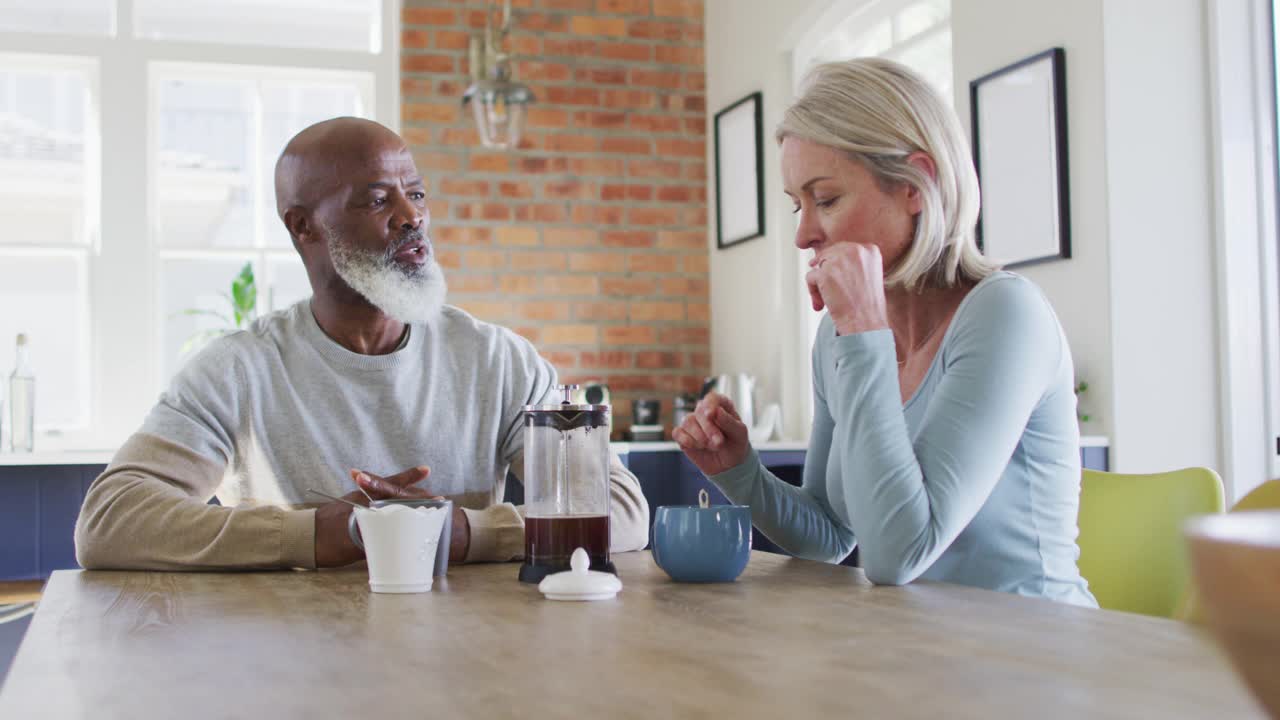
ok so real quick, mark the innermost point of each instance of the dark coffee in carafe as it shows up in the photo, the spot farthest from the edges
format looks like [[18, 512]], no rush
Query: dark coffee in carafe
[[549, 542]]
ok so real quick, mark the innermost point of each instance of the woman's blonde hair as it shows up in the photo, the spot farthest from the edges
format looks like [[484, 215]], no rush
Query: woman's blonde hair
[[880, 112]]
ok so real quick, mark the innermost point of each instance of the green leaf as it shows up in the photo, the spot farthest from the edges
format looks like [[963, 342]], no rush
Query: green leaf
[[243, 301], [244, 295]]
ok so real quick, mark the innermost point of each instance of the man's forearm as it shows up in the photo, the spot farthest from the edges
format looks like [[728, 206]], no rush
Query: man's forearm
[[147, 511]]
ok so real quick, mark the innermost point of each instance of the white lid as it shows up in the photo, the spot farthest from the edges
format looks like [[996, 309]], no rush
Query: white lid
[[580, 582]]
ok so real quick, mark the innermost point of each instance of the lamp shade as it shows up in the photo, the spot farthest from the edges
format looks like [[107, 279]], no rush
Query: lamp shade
[[498, 107]]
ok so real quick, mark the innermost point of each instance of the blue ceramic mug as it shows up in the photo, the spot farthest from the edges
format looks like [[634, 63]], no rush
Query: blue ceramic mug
[[702, 544]]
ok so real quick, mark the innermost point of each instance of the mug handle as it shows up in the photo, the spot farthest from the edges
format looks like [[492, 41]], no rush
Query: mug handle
[[354, 531]]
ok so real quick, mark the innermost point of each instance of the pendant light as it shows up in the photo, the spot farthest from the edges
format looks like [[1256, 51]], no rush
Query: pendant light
[[497, 101]]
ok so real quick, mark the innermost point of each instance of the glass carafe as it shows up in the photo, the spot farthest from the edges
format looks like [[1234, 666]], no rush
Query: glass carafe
[[566, 486]]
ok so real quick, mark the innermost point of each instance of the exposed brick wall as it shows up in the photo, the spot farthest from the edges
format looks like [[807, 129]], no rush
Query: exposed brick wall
[[590, 240]]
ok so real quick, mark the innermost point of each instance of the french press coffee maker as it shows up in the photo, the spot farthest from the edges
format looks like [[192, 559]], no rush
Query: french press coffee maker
[[566, 486]]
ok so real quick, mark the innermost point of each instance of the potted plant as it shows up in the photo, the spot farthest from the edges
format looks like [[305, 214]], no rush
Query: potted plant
[[243, 303]]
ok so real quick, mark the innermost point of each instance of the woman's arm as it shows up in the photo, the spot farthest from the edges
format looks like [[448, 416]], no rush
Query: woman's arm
[[908, 502], [798, 519]]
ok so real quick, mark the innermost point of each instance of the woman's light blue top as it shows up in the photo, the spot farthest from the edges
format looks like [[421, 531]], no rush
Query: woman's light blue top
[[976, 480]]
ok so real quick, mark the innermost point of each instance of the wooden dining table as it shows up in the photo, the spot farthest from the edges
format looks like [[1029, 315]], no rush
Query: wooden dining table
[[790, 639]]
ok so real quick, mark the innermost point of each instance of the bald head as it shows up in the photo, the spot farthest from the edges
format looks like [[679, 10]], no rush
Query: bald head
[[321, 158]]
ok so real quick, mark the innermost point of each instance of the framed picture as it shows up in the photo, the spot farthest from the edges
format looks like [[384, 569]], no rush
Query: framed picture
[[739, 172], [1019, 118]]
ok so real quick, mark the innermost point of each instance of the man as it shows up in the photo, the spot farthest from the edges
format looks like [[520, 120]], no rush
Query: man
[[374, 373]]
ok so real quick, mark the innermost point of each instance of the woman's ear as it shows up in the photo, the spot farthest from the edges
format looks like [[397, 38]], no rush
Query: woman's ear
[[924, 163]]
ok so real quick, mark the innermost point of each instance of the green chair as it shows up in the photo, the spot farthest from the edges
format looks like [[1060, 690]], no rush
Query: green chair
[[1131, 546], [1264, 497]]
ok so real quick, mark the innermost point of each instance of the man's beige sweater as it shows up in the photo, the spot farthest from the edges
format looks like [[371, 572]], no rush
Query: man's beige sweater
[[263, 414]]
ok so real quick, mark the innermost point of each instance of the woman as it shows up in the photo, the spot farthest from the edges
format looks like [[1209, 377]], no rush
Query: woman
[[944, 440]]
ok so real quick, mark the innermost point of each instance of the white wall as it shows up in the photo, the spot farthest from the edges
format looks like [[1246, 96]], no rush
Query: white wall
[[1078, 288], [1163, 310], [1138, 297], [752, 284]]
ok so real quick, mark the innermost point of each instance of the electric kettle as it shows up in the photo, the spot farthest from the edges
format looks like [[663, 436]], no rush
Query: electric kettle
[[740, 389]]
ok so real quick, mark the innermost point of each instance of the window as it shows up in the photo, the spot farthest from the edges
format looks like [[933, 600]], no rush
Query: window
[[326, 24], [49, 216], [137, 144], [916, 33], [73, 17], [218, 133]]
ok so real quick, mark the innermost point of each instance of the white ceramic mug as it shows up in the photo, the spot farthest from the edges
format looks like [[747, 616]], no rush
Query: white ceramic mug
[[400, 544]]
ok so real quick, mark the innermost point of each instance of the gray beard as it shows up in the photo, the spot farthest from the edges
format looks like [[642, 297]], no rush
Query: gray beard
[[412, 296]]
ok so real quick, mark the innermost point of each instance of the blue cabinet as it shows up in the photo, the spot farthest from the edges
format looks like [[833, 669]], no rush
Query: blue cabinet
[[668, 478], [1095, 457], [39, 504]]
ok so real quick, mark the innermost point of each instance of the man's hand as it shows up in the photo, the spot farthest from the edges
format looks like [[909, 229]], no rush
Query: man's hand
[[460, 542], [333, 543], [713, 436], [403, 486]]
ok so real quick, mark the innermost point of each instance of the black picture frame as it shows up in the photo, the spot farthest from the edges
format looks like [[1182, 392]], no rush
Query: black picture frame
[[1020, 153], [739, 155]]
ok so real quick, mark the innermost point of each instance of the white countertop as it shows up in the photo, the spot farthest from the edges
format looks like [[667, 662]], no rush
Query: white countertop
[[57, 457], [102, 457], [623, 448]]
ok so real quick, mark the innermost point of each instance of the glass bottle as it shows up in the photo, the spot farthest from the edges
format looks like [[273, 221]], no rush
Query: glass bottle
[[22, 401]]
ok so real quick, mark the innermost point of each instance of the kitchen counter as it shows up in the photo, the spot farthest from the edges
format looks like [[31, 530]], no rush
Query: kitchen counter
[[624, 448], [102, 457], [56, 457]]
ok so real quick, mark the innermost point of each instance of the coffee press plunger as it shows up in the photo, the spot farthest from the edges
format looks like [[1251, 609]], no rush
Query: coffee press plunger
[[566, 484]]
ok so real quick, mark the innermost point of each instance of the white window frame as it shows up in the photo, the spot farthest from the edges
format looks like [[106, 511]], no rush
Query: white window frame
[[1242, 94], [122, 292]]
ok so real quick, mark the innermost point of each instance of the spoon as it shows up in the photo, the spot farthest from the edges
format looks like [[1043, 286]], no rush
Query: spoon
[[362, 492], [343, 500]]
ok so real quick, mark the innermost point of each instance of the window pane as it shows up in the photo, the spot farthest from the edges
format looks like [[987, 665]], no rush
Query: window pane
[[286, 283], [931, 57], [288, 107], [326, 24], [917, 18], [74, 17], [873, 41], [194, 284], [44, 297], [204, 188], [46, 150]]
